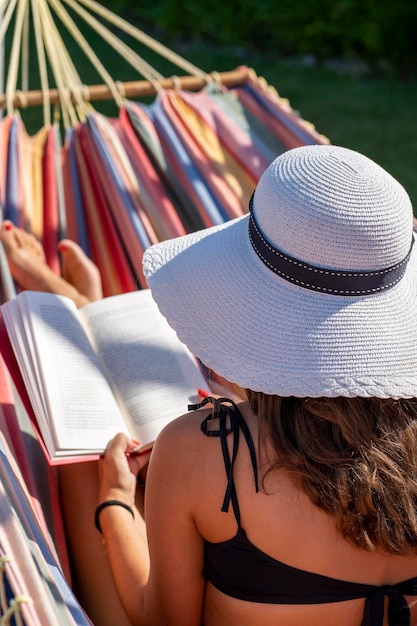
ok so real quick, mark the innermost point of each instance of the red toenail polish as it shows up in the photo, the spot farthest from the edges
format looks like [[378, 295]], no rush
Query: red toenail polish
[[8, 226], [62, 247]]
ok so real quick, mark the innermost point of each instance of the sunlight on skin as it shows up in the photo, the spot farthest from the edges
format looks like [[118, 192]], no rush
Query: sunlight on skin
[[80, 278]]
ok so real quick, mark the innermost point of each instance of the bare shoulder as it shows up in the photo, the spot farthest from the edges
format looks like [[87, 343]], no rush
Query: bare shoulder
[[181, 441], [177, 466], [190, 449], [185, 428]]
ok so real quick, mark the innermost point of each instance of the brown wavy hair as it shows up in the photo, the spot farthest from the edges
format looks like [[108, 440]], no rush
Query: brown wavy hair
[[355, 458]]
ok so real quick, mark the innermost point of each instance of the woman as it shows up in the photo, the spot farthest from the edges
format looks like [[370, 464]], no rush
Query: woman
[[296, 505], [309, 517]]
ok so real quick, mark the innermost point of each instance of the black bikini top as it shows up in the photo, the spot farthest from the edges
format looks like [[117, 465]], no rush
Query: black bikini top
[[239, 569]]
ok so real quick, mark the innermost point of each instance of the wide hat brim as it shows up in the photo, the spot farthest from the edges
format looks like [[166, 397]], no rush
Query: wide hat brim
[[263, 333]]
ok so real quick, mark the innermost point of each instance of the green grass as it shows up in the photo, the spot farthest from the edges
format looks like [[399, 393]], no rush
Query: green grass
[[375, 116]]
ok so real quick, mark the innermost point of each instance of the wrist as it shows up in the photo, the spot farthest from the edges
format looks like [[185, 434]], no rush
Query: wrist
[[115, 494], [109, 504]]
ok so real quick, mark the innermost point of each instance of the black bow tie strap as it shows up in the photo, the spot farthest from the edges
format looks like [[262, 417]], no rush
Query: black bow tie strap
[[398, 609], [230, 421]]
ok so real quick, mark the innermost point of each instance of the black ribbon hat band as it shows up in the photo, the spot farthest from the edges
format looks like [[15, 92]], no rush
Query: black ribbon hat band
[[335, 282]]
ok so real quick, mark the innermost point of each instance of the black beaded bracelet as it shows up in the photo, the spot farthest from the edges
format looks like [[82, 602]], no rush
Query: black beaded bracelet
[[110, 503]]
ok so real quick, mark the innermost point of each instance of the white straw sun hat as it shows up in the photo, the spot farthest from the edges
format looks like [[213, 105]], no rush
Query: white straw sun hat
[[314, 295]]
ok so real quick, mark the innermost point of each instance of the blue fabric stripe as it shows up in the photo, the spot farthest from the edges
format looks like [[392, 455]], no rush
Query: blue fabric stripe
[[112, 171], [201, 187], [13, 178], [78, 199], [286, 121]]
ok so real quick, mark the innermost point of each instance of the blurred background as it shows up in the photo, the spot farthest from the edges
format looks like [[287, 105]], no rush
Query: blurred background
[[347, 66]]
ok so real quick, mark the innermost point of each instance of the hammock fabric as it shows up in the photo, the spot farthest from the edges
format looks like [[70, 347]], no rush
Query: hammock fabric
[[34, 577], [189, 160]]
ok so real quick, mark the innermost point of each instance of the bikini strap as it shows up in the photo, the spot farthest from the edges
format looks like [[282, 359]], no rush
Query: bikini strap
[[230, 421], [398, 608]]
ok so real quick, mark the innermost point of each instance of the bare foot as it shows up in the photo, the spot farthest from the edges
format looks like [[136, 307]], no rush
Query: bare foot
[[79, 270], [28, 265]]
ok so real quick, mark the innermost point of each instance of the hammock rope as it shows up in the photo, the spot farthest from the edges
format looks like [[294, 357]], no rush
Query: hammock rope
[[70, 91], [25, 49], [43, 70], [62, 67], [131, 57], [148, 41], [10, 608], [15, 53]]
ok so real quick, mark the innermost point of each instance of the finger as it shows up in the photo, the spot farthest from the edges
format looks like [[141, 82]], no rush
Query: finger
[[139, 461], [120, 444]]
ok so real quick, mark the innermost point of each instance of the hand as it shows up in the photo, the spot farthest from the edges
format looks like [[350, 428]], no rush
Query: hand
[[119, 468]]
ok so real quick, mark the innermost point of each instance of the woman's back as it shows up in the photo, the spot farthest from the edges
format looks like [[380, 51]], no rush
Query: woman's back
[[281, 524]]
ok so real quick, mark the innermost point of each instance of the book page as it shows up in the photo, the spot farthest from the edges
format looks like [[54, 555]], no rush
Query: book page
[[83, 413], [152, 373], [24, 352]]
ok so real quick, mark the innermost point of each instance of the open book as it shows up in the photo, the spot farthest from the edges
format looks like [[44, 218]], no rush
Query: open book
[[112, 366]]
